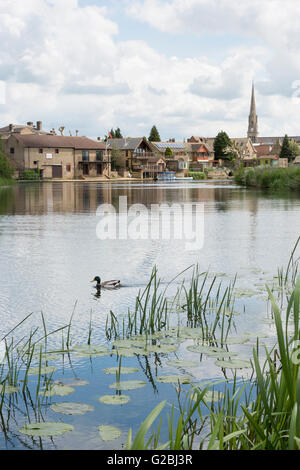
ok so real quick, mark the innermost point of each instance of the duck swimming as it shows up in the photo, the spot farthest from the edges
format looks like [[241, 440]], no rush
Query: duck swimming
[[107, 284]]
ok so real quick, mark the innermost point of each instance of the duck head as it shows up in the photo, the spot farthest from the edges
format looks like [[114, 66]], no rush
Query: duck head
[[97, 279]]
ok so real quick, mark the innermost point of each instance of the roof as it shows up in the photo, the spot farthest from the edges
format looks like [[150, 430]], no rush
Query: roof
[[18, 128], [58, 141], [130, 143], [263, 149], [172, 145]]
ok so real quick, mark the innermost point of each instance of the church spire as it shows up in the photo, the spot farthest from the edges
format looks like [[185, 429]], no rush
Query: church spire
[[252, 127]]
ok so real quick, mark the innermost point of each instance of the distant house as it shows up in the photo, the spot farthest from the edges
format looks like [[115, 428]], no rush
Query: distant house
[[135, 151], [22, 129], [57, 156], [178, 160]]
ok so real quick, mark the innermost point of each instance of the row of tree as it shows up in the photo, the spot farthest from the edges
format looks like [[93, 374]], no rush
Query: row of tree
[[117, 134]]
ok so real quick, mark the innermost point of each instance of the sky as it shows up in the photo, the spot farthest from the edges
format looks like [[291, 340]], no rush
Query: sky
[[186, 66]]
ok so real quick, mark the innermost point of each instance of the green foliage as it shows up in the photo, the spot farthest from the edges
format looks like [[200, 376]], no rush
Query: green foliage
[[117, 159], [115, 134], [168, 152], [6, 169], [269, 178], [294, 148], [197, 175], [287, 150], [31, 175], [221, 144], [154, 135]]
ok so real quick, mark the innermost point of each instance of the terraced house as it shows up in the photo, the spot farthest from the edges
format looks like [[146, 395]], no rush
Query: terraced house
[[57, 156]]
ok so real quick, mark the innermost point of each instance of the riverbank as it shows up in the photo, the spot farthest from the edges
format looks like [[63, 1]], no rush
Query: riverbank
[[276, 179], [6, 181]]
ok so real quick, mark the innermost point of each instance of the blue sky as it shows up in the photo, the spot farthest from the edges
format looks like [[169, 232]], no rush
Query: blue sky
[[184, 65]]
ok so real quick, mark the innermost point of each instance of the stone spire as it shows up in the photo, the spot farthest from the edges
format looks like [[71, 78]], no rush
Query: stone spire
[[252, 127]]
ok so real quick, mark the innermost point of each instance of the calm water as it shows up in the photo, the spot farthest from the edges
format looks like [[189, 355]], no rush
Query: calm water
[[49, 252]]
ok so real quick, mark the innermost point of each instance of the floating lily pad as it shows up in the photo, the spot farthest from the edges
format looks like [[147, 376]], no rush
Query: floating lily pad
[[210, 395], [43, 370], [122, 370], [182, 363], [109, 433], [210, 351], [123, 352], [128, 385], [69, 408], [174, 379], [46, 429], [60, 390], [90, 350], [240, 292], [74, 383], [234, 364], [122, 343], [163, 348], [236, 340], [114, 399], [8, 389]]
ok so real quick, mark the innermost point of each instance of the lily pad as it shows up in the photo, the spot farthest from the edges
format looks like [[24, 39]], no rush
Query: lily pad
[[46, 429], [109, 433], [122, 370], [234, 364], [236, 340], [60, 390], [182, 363], [43, 370], [73, 383], [210, 395], [7, 389], [114, 399], [174, 379], [69, 408], [123, 352], [128, 385], [90, 350]]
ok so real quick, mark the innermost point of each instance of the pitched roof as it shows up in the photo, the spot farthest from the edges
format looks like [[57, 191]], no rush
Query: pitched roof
[[58, 141], [130, 143]]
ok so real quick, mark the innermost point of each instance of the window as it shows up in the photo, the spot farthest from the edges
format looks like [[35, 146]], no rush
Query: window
[[99, 155], [12, 150], [85, 155], [68, 167], [40, 150], [56, 150]]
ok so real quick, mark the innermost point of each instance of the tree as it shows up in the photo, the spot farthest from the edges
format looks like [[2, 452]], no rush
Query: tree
[[295, 149], [117, 159], [114, 134], [222, 144], [286, 150], [154, 135], [118, 134], [6, 169], [168, 152]]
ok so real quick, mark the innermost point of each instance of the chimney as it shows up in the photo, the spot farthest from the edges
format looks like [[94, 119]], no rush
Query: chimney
[[39, 125], [29, 123], [11, 128]]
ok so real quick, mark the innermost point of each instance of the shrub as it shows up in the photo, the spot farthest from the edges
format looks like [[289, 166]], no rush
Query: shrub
[[197, 175], [31, 175]]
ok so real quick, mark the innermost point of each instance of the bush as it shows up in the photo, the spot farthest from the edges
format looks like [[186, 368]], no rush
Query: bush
[[197, 175], [6, 170], [31, 175], [269, 178]]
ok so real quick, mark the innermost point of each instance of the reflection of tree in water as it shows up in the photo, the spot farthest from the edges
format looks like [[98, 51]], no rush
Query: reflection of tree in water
[[147, 369], [6, 200]]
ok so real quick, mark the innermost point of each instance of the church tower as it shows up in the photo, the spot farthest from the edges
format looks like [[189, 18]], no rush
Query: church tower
[[252, 127]]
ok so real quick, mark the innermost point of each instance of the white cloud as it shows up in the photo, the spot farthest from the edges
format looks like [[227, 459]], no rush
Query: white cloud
[[65, 64]]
